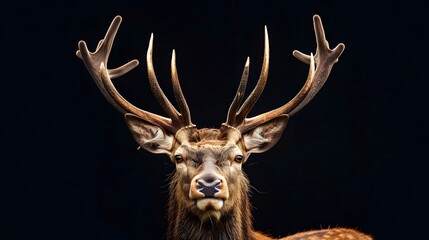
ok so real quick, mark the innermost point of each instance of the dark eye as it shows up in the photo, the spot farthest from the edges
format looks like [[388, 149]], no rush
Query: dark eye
[[178, 158], [239, 158]]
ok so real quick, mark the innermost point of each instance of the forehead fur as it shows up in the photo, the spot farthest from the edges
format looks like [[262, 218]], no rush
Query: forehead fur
[[210, 140], [204, 135]]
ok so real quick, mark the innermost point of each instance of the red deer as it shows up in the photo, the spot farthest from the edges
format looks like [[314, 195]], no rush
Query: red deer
[[209, 192]]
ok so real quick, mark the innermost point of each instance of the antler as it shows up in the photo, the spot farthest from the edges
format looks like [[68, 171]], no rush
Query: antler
[[96, 63], [320, 68]]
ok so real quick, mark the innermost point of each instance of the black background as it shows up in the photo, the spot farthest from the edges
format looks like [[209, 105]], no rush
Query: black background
[[354, 157]]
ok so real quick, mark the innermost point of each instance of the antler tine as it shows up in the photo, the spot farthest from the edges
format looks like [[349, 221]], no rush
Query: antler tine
[[93, 60], [96, 64], [156, 89], [231, 117], [180, 98], [324, 60], [257, 91]]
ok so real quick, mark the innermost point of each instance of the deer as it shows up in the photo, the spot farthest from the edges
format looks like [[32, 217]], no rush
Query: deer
[[208, 191]]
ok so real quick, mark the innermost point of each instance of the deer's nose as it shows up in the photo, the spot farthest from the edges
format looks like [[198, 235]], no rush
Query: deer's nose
[[208, 186]]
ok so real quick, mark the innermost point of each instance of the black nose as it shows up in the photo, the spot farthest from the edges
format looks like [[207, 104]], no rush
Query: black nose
[[208, 188]]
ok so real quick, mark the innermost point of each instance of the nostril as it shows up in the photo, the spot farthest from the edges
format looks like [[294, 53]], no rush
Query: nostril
[[209, 189]]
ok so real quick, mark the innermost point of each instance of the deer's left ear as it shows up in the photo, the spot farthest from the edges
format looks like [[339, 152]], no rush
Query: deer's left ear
[[265, 136]]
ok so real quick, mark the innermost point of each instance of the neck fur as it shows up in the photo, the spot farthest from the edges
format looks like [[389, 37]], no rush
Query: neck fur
[[233, 225]]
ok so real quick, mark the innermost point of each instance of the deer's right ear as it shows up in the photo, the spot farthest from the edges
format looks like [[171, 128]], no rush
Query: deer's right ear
[[266, 135], [149, 136]]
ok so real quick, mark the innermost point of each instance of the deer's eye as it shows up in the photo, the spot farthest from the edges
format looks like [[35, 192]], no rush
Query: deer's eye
[[178, 158], [239, 158]]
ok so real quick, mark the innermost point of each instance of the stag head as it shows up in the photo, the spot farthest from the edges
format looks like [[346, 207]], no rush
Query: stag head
[[208, 182]]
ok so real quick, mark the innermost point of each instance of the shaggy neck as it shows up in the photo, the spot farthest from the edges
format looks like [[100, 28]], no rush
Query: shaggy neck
[[233, 225]]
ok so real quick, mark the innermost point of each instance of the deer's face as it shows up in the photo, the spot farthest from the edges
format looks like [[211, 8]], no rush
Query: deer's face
[[209, 176], [208, 181]]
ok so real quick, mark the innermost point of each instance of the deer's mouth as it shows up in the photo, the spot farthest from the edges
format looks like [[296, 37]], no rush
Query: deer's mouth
[[209, 204], [209, 208]]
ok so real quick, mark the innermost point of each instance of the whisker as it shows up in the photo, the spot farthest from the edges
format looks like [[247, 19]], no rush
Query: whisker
[[259, 191]]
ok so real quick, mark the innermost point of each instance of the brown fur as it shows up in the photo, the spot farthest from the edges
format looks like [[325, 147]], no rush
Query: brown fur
[[333, 234], [183, 224], [235, 221]]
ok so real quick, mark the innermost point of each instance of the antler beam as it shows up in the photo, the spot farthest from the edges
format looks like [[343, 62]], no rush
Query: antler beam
[[96, 64], [320, 68]]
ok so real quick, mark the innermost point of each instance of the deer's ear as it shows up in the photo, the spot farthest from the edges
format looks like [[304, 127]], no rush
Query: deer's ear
[[149, 136], [265, 136]]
